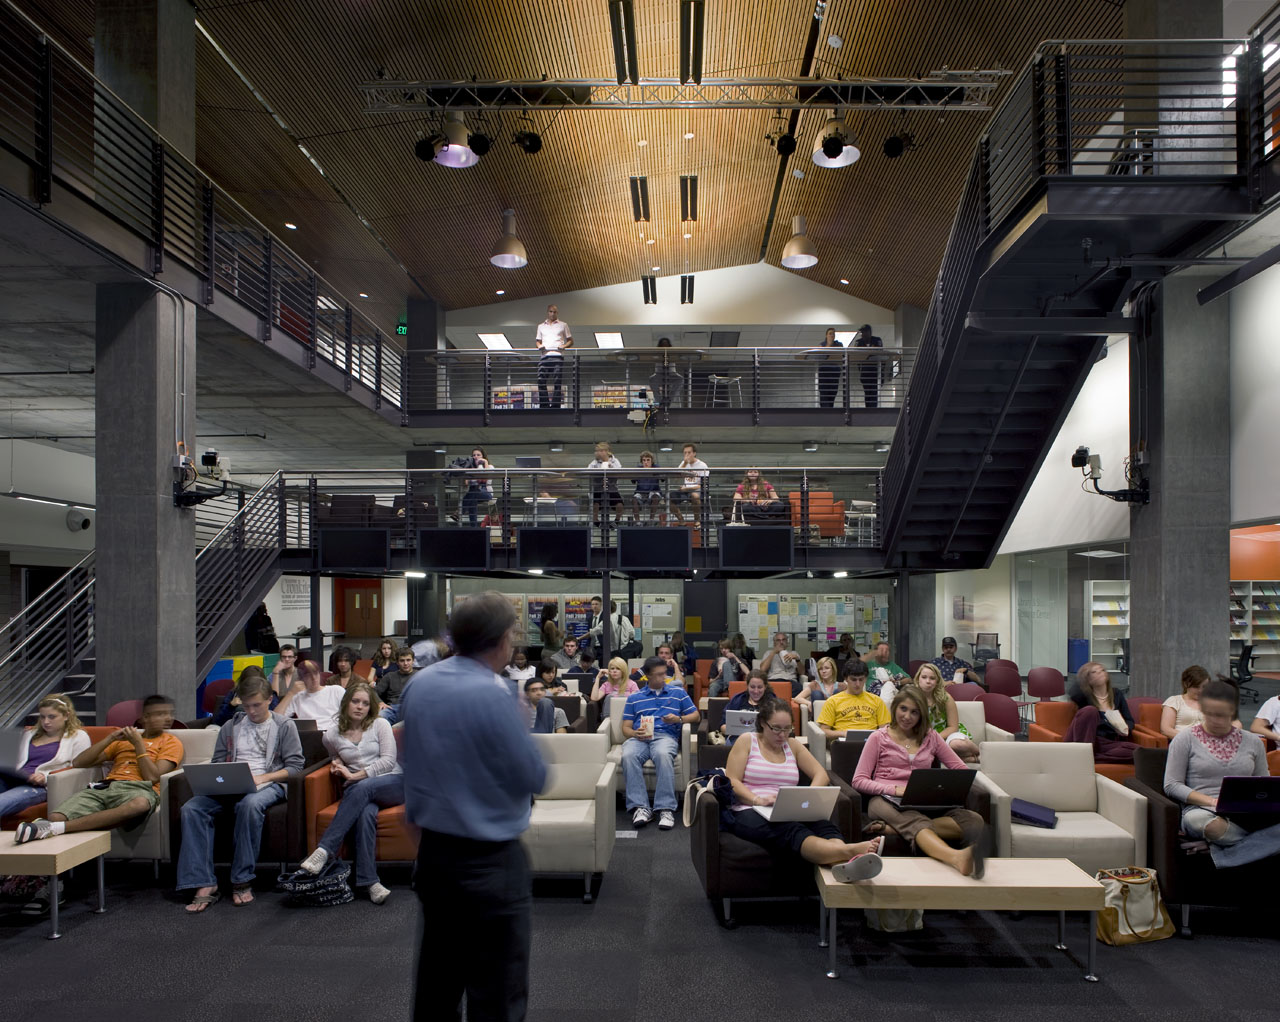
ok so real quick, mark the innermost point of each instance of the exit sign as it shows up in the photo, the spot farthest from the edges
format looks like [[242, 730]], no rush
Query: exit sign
[[402, 329]]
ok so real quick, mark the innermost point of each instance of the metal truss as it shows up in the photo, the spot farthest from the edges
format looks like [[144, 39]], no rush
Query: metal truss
[[940, 90]]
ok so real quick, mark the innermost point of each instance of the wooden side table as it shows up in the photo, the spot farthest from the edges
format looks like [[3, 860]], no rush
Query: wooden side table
[[52, 857]]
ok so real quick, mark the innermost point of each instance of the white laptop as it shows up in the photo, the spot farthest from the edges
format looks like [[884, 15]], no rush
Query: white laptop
[[740, 722], [10, 749], [801, 804], [220, 779]]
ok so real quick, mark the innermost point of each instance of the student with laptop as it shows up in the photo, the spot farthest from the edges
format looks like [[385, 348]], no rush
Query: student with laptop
[[885, 767], [1203, 762], [268, 744], [854, 709], [52, 744], [764, 768], [747, 701]]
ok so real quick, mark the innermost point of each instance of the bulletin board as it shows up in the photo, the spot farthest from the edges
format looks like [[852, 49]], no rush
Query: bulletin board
[[659, 613], [798, 613], [758, 618], [865, 616], [533, 617]]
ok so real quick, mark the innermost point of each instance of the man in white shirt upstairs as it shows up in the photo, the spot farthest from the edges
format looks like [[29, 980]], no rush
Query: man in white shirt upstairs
[[553, 338], [309, 698], [691, 484]]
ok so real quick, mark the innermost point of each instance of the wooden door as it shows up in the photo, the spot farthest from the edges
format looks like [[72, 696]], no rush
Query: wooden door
[[361, 608]]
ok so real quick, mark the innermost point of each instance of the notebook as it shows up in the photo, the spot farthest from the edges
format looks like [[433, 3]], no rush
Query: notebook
[[801, 804], [220, 779]]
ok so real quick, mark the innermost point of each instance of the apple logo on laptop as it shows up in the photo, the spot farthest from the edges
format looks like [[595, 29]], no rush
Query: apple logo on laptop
[[804, 805], [218, 778]]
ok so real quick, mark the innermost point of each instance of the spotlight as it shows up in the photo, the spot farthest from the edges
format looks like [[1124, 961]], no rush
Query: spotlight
[[834, 145], [896, 145], [426, 147], [479, 143], [798, 253], [529, 141], [452, 150], [785, 144]]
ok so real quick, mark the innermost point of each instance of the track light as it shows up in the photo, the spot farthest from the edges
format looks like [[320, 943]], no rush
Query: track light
[[785, 144], [691, 29], [686, 289], [650, 285], [896, 145], [688, 197], [479, 143], [427, 146], [509, 253], [622, 29], [452, 150], [834, 145], [640, 199], [798, 253], [529, 141]]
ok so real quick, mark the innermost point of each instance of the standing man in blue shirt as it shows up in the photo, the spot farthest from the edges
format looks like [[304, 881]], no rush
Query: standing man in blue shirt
[[470, 771], [651, 723]]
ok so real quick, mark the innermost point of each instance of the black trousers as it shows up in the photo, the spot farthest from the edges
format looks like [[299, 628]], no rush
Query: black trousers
[[828, 384], [476, 916], [550, 370], [870, 375]]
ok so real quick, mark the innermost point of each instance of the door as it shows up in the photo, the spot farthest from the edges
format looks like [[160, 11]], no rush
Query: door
[[361, 608]]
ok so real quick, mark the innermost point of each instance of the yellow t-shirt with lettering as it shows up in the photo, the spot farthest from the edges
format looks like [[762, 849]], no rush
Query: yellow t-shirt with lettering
[[845, 711]]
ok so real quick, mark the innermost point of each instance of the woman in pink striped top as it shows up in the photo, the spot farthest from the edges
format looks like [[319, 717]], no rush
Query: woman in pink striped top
[[769, 759], [908, 743]]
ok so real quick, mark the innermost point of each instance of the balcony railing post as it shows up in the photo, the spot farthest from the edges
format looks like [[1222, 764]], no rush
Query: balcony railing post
[[577, 389], [346, 330], [1251, 119], [238, 538], [486, 388], [508, 532], [1040, 138], [984, 184], [312, 323], [157, 206], [848, 385], [1062, 108], [313, 503], [282, 516], [268, 287], [804, 507], [210, 242], [755, 387], [44, 121], [377, 369]]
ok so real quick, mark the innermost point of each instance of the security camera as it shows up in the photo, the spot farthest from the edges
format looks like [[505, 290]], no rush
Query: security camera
[[77, 520], [1081, 458], [210, 458]]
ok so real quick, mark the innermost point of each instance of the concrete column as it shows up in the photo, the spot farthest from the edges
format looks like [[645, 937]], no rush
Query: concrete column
[[425, 323], [145, 405], [922, 621], [144, 50], [1179, 543]]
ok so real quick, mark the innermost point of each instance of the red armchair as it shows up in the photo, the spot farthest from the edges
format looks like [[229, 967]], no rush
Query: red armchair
[[825, 512], [1054, 718]]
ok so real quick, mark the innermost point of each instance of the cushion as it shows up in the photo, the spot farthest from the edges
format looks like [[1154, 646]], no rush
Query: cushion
[[561, 836], [397, 840], [1055, 774], [197, 744], [1091, 841], [570, 781], [573, 748], [973, 715]]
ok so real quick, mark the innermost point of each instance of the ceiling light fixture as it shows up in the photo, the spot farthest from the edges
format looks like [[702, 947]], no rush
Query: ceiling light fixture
[[441, 449], [896, 145], [415, 574], [556, 446], [655, 268], [650, 286], [834, 145], [500, 291], [811, 445], [479, 143], [640, 200], [451, 148], [691, 28], [650, 241], [882, 448], [529, 141], [622, 29], [798, 174], [363, 295], [843, 281], [535, 571], [686, 289], [839, 574], [798, 253], [292, 227], [688, 134], [785, 144], [666, 445], [688, 197], [643, 142], [687, 236], [509, 253]]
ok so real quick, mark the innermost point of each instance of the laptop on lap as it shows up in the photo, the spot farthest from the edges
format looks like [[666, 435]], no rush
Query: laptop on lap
[[801, 804], [220, 779], [937, 789], [1250, 802]]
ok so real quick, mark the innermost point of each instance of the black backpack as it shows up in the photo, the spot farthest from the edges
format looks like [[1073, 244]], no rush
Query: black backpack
[[317, 890]]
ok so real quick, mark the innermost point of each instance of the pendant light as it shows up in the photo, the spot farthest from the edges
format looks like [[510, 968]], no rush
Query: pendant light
[[509, 253], [454, 151], [834, 146], [798, 253]]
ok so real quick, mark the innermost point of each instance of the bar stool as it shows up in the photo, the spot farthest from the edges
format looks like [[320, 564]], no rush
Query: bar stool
[[728, 382]]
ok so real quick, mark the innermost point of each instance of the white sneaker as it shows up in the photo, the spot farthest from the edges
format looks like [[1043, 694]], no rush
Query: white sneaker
[[640, 817], [315, 862], [378, 894], [32, 830], [666, 819]]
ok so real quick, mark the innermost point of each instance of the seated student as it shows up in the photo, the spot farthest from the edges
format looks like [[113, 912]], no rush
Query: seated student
[[944, 718], [284, 672], [1266, 721], [600, 492], [309, 698], [683, 654], [727, 667], [545, 717], [383, 661], [565, 658], [363, 748], [585, 669], [390, 687], [882, 669], [843, 651], [519, 670], [782, 664], [1183, 711], [822, 687], [269, 743], [1199, 758], [651, 725], [954, 670], [755, 495], [738, 643], [750, 698], [854, 709], [132, 788], [52, 744], [666, 653], [341, 673], [231, 701], [1103, 719], [558, 687], [906, 744], [771, 758], [648, 494], [612, 681]]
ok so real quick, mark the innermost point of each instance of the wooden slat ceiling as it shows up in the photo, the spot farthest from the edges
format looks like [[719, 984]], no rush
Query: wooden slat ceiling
[[881, 224]]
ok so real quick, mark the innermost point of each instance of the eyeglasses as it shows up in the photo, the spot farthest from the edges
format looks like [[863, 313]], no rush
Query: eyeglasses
[[784, 730]]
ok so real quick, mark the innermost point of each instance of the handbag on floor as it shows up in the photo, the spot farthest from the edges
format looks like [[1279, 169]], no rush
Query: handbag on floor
[[317, 890], [1133, 911]]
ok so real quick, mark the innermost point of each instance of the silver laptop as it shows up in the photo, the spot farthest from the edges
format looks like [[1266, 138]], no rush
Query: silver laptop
[[740, 722], [10, 749], [801, 805], [220, 779]]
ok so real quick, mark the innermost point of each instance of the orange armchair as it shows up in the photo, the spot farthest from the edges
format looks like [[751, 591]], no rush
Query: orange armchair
[[397, 838], [1053, 719], [781, 689], [1147, 721], [825, 512]]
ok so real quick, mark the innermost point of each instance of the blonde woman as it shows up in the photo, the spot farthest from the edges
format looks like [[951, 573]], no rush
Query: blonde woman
[[1103, 719], [51, 745], [944, 718], [612, 681], [363, 747], [825, 684], [383, 661], [600, 493]]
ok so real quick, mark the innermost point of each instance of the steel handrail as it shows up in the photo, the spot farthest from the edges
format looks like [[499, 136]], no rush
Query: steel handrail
[[231, 522]]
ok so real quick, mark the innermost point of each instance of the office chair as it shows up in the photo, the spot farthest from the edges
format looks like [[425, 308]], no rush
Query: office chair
[[1242, 673]]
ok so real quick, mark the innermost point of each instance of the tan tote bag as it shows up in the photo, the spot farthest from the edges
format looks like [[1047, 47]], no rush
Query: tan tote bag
[[1133, 911]]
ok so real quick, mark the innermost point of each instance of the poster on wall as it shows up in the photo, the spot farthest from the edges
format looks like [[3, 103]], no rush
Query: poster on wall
[[533, 618], [295, 595], [659, 613], [837, 615], [798, 614], [575, 615], [758, 619]]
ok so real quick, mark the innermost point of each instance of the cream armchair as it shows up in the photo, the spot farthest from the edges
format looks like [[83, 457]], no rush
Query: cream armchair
[[572, 826], [612, 726], [1101, 824], [151, 840], [973, 715]]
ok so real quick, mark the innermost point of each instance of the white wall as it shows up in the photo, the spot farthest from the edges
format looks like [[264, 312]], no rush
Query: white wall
[[1255, 385], [37, 533], [298, 614], [1057, 512], [988, 593]]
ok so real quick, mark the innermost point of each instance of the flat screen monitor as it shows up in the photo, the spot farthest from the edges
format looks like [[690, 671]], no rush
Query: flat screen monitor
[[642, 549], [453, 549], [553, 549], [757, 548], [355, 549], [531, 461]]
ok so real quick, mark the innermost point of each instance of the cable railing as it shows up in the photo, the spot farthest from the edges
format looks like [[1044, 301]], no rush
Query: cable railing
[[1132, 110], [75, 134], [499, 382]]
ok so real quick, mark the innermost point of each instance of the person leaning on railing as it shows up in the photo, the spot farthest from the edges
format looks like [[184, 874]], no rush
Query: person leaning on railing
[[648, 495]]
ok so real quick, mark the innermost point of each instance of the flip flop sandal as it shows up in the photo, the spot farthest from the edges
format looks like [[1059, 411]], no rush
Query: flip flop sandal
[[206, 900], [875, 827], [39, 905], [241, 889], [860, 867]]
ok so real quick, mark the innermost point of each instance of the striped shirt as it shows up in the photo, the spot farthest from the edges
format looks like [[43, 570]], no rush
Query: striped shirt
[[648, 703], [765, 778]]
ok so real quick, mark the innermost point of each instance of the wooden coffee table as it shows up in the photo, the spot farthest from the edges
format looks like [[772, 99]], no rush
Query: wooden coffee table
[[52, 856], [1032, 885]]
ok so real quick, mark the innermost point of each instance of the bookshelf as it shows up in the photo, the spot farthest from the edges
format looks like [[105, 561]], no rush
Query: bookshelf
[[1107, 601], [1255, 618]]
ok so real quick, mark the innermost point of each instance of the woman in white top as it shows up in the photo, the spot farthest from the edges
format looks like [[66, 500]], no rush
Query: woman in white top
[[1183, 711], [51, 745], [363, 747], [826, 683], [599, 491]]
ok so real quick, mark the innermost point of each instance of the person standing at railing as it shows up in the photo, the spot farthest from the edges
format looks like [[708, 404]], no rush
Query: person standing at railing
[[869, 372], [666, 381], [479, 491], [829, 372], [553, 338]]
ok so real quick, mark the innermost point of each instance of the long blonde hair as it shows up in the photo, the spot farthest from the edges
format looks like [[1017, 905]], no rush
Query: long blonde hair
[[940, 697], [62, 703], [621, 665], [835, 674]]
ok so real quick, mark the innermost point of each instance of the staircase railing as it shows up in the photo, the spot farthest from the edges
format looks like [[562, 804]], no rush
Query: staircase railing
[[45, 641]]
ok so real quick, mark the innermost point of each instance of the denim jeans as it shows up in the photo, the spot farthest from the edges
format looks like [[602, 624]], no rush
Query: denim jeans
[[663, 750], [1237, 846], [391, 713], [550, 369], [471, 500], [359, 809], [21, 797], [200, 813]]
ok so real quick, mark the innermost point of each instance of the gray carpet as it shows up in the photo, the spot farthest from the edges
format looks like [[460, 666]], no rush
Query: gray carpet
[[648, 949]]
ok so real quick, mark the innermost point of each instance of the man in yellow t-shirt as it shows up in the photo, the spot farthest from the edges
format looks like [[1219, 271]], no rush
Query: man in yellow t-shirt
[[131, 790], [854, 709]]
